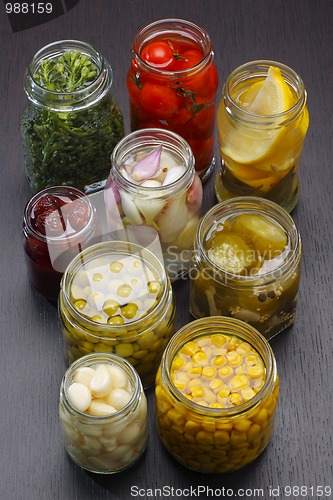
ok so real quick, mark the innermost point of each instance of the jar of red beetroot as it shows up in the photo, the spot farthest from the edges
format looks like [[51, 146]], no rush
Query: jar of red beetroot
[[172, 84], [58, 223]]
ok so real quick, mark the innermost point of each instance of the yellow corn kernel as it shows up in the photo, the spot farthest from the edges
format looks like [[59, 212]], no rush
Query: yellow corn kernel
[[124, 350], [261, 416], [219, 360], [163, 406], [223, 426], [208, 371], [200, 358], [189, 397], [251, 359], [253, 432], [255, 371], [224, 393], [240, 369], [216, 405], [234, 358], [190, 348], [210, 396], [181, 377], [192, 427], [176, 417], [208, 424], [232, 343], [195, 371], [243, 425], [221, 437], [238, 382], [243, 348], [235, 398], [204, 437], [225, 371], [197, 392], [177, 363], [215, 384], [247, 393], [193, 383], [218, 340], [237, 438], [180, 385]]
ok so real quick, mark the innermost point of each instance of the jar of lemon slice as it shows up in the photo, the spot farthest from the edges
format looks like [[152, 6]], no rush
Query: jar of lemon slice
[[262, 123]]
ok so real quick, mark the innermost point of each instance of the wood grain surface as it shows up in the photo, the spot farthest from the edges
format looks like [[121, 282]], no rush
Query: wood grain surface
[[34, 464]]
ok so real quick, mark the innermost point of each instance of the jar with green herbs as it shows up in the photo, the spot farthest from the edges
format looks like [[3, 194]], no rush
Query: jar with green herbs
[[115, 297], [72, 122]]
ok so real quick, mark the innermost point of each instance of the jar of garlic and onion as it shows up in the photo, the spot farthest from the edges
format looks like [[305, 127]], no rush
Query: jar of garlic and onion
[[153, 184]]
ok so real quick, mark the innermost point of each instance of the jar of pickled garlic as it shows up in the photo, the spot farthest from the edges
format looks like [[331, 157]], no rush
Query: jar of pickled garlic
[[103, 413], [58, 223], [153, 184], [247, 264], [116, 298], [262, 123], [216, 395], [172, 84], [72, 121]]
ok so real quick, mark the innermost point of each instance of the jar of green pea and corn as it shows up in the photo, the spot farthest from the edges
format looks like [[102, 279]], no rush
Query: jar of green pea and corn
[[115, 297]]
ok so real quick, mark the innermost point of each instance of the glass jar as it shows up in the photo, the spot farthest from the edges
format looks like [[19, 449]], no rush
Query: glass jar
[[261, 134], [71, 123], [115, 297], [247, 264], [58, 223], [228, 427], [110, 442], [172, 84], [167, 198]]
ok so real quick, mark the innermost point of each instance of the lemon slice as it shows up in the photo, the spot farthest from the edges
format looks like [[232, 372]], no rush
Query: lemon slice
[[264, 98]]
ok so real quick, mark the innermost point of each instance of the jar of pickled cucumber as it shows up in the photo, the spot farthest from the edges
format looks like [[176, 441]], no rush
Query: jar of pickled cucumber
[[262, 123], [103, 413], [59, 222], [153, 184], [247, 264], [115, 297], [216, 395], [72, 121]]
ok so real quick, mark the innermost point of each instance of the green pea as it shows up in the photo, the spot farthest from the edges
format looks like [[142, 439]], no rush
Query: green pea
[[110, 307], [116, 266], [116, 320], [129, 310], [124, 291]]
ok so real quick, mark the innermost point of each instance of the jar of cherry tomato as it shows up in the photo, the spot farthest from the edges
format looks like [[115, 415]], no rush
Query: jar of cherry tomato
[[172, 84], [58, 223]]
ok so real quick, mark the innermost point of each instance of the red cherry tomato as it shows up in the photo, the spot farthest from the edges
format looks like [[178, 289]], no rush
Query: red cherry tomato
[[161, 102], [78, 214], [188, 59], [46, 202], [159, 55], [50, 223]]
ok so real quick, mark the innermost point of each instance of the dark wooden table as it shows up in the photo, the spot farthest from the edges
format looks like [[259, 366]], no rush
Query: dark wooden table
[[34, 464]]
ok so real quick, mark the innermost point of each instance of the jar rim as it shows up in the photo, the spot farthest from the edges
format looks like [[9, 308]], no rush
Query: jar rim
[[264, 64], [271, 208], [57, 190], [112, 359], [148, 31], [77, 99], [219, 325], [109, 328], [156, 137]]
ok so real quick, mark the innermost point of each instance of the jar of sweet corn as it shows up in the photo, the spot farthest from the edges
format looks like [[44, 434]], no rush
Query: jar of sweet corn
[[216, 394], [115, 297], [103, 413], [247, 264]]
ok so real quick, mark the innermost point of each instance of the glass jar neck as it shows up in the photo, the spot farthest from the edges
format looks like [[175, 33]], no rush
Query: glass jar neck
[[227, 326], [115, 331], [235, 207], [68, 101], [249, 73], [145, 141], [172, 28], [92, 360], [81, 236]]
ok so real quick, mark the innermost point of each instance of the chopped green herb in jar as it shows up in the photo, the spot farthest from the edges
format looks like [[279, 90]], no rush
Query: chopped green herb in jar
[[72, 145]]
